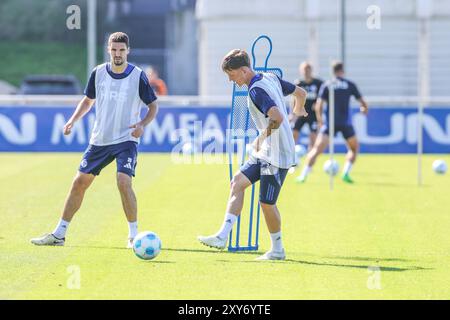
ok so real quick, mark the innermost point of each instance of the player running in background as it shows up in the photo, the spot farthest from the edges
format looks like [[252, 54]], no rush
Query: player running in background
[[312, 86], [273, 150], [118, 89], [343, 90]]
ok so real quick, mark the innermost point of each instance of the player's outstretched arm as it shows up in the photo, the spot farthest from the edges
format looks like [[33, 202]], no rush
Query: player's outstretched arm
[[299, 95], [364, 107], [319, 109], [83, 107], [151, 114]]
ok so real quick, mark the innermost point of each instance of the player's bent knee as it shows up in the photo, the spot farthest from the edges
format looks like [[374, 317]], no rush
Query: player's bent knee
[[123, 182], [81, 182], [236, 185], [267, 205], [239, 182]]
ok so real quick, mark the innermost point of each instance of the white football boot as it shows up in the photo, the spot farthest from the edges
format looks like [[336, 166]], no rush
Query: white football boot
[[272, 255], [213, 242], [130, 243], [48, 240]]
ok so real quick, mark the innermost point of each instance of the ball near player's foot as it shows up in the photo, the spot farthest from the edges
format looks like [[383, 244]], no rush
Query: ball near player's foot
[[146, 245], [331, 167]]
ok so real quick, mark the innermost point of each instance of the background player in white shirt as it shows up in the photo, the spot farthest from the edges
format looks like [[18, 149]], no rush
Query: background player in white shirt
[[119, 90], [273, 150]]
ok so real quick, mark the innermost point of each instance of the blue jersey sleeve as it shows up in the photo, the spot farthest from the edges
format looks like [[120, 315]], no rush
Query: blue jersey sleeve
[[261, 99], [287, 87], [146, 92], [323, 92], [89, 91], [355, 91]]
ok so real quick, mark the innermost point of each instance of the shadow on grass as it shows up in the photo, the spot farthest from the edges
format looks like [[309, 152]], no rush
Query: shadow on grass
[[120, 248], [215, 251], [97, 247], [325, 264], [371, 259], [157, 261]]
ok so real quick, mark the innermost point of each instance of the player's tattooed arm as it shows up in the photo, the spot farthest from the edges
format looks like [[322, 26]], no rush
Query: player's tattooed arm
[[275, 120]]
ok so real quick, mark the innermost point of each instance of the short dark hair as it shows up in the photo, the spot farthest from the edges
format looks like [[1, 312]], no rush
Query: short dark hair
[[337, 66], [235, 59], [119, 37]]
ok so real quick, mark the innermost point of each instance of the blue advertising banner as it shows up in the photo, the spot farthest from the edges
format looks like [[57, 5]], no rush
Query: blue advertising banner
[[384, 130]]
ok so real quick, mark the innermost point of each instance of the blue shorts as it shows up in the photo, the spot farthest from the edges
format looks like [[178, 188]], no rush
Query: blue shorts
[[347, 130], [96, 158], [271, 177]]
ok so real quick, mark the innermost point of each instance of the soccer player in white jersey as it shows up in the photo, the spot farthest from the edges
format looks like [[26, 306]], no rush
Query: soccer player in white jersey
[[273, 150], [119, 90]]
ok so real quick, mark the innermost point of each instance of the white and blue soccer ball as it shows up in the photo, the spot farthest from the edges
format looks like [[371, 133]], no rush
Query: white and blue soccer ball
[[440, 166], [146, 245], [331, 167]]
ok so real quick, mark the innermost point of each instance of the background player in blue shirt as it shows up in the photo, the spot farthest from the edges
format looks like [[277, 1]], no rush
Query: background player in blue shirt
[[312, 86], [343, 90]]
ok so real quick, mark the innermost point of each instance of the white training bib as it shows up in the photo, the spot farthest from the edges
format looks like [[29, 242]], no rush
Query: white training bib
[[117, 107], [279, 148]]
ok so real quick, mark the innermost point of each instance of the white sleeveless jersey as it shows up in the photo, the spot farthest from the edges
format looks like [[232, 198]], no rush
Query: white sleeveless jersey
[[117, 107], [279, 148]]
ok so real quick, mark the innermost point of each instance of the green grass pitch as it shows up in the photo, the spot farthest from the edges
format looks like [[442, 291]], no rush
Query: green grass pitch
[[382, 238]]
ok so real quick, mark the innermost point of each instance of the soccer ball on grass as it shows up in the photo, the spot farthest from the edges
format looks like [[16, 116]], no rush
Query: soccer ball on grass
[[146, 245], [439, 166], [331, 167]]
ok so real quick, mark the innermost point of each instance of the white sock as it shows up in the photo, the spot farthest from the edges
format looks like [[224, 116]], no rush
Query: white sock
[[61, 229], [132, 229], [277, 244], [347, 167], [306, 170], [227, 225]]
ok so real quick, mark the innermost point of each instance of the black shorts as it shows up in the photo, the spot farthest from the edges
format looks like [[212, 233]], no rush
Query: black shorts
[[310, 120], [347, 130]]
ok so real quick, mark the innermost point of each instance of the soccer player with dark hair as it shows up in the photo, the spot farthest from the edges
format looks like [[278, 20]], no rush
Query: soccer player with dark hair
[[119, 90], [312, 86], [344, 89], [273, 149]]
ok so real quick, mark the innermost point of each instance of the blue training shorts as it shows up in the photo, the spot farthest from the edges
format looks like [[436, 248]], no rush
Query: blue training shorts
[[271, 177], [96, 158]]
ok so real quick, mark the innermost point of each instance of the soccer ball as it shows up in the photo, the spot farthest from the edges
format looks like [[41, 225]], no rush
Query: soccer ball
[[146, 245], [331, 167], [439, 166]]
